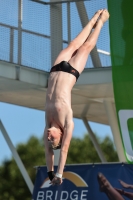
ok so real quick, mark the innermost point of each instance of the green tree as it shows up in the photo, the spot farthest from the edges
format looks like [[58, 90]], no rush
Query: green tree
[[12, 185], [83, 151]]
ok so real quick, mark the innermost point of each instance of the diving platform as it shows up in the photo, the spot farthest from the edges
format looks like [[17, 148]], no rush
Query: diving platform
[[24, 86]]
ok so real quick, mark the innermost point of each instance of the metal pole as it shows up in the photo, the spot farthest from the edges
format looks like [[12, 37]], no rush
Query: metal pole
[[94, 140], [17, 158], [11, 44], [115, 130], [20, 7], [69, 22]]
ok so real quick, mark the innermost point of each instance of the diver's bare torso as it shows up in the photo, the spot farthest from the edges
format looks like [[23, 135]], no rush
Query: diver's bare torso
[[58, 99]]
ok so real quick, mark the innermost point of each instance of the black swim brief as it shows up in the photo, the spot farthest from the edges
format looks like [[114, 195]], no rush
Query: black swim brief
[[65, 67]]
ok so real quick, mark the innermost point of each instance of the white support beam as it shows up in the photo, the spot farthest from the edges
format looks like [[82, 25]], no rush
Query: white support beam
[[94, 140], [84, 20], [115, 129], [56, 157], [17, 158], [56, 30]]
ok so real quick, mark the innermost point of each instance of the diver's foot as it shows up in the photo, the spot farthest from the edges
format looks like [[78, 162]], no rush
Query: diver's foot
[[104, 16], [95, 18], [103, 183]]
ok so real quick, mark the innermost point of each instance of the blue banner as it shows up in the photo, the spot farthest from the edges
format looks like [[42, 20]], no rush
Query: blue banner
[[87, 182]]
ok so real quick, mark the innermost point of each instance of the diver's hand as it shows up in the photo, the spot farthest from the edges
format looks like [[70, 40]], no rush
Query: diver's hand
[[56, 181]]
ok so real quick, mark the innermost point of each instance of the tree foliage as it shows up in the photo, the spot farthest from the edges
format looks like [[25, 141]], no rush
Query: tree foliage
[[12, 185], [83, 151]]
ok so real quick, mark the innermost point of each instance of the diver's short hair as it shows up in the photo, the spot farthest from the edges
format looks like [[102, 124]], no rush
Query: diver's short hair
[[56, 147]]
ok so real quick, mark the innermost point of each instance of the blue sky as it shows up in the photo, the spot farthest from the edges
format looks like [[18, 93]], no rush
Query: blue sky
[[21, 123]]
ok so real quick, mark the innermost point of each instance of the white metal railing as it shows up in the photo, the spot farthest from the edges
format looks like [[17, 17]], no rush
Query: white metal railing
[[11, 43], [103, 52], [19, 55], [17, 47]]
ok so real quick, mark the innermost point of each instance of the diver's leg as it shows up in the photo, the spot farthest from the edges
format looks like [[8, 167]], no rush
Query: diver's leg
[[68, 52], [78, 61]]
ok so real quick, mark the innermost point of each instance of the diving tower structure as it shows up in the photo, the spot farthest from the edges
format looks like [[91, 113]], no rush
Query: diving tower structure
[[25, 85]]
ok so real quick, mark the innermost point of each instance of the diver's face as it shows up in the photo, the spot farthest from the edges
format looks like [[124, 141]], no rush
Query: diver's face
[[54, 135]]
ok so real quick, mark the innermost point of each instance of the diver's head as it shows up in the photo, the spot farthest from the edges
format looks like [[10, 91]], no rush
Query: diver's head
[[55, 137]]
